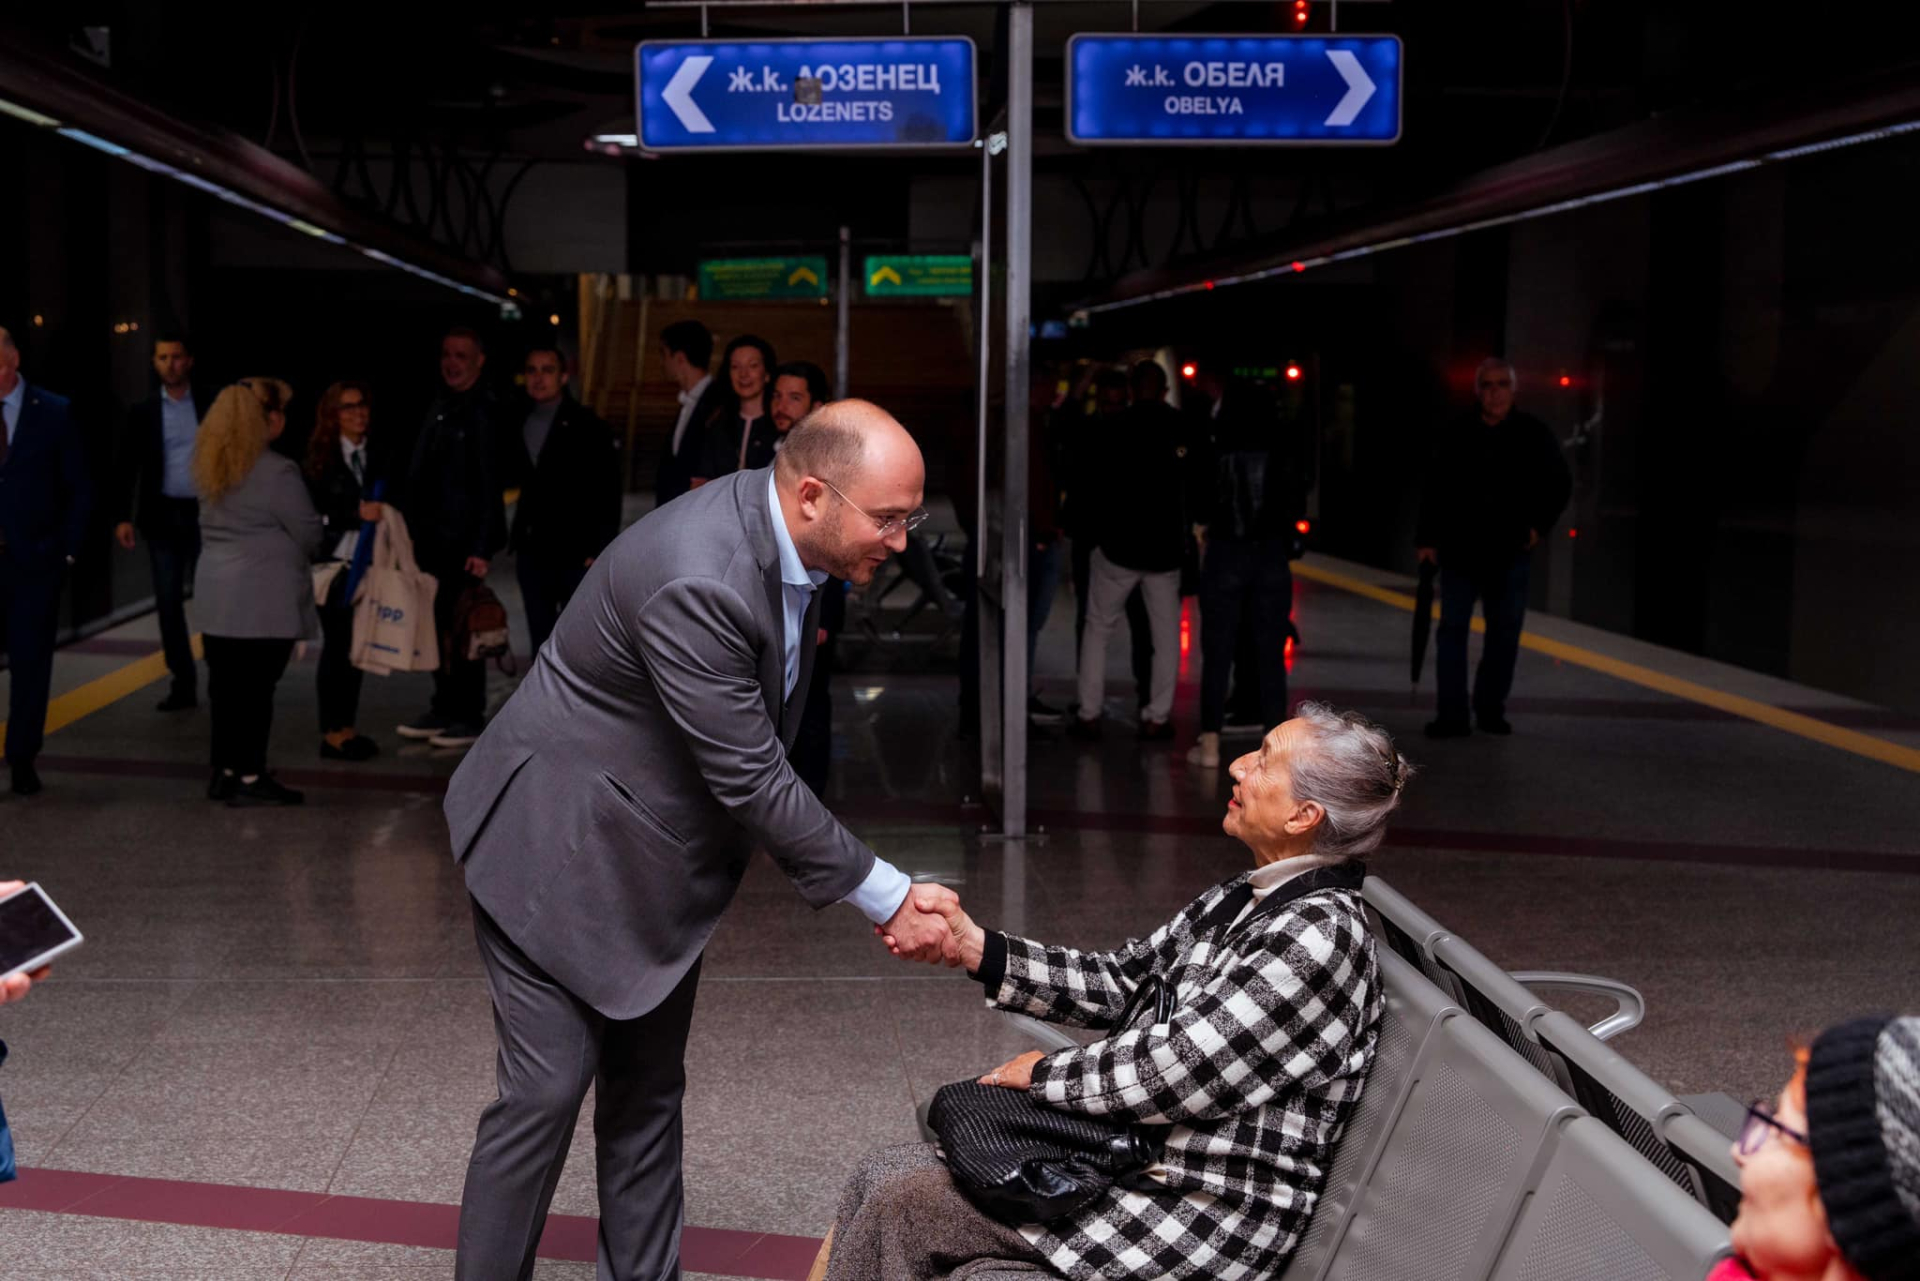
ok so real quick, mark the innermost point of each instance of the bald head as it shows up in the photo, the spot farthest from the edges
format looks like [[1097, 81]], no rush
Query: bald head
[[849, 475]]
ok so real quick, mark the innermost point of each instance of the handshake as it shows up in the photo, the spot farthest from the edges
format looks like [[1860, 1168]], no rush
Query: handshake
[[930, 926]]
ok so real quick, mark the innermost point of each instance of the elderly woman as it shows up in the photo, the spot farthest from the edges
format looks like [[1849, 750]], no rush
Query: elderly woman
[[1247, 1085], [1830, 1172], [254, 591]]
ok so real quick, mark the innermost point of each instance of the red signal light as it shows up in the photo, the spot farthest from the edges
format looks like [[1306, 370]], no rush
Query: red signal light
[[1303, 526], [1565, 381], [1209, 284], [1299, 266], [1299, 13], [1189, 369], [1293, 373], [1573, 533]]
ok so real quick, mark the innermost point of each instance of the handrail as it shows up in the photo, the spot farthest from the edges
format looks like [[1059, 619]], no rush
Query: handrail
[[1630, 1006]]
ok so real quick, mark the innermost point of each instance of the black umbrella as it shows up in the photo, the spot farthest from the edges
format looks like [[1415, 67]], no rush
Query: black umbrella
[[1423, 616]]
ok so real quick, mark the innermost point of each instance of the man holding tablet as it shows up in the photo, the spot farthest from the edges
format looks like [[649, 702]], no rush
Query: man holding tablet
[[605, 817]]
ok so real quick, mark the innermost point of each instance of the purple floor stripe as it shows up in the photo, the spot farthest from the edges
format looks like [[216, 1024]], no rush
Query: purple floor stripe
[[725, 1252]]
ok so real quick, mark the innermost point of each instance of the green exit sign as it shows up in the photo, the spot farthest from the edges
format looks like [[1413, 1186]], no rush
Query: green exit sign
[[919, 276], [740, 279]]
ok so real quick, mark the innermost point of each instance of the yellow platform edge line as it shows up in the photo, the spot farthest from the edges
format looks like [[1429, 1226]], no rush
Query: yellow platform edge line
[[104, 691], [1807, 727]]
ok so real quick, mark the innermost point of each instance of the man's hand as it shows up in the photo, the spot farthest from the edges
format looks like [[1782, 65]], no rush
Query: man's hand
[[1429, 556], [919, 931], [123, 534], [477, 567], [1533, 539], [1014, 1074], [371, 511]]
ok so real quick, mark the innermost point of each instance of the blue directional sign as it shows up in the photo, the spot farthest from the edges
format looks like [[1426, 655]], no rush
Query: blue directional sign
[[1233, 90], [736, 95]]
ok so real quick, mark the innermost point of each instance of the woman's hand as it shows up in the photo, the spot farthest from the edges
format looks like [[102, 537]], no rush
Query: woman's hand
[[1014, 1074], [372, 511]]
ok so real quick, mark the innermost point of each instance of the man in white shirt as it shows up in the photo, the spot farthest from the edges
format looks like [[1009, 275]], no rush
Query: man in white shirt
[[686, 348]]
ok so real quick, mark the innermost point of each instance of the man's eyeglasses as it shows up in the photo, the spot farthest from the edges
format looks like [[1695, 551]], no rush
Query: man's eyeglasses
[[1760, 1126], [883, 525]]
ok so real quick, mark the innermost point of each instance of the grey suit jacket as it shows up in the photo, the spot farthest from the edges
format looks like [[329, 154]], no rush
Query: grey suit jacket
[[256, 561], [606, 815]]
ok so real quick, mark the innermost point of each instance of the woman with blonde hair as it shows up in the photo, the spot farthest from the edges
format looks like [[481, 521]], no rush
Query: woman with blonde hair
[[254, 591]]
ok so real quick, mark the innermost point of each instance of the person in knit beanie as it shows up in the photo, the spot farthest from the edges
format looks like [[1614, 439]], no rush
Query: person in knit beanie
[[1830, 1176]]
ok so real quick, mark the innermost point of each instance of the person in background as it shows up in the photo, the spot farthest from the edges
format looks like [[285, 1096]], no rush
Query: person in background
[[741, 436], [686, 349], [153, 494], [1087, 444], [255, 599], [1043, 538], [799, 388], [343, 466], [572, 483], [1830, 1171], [450, 495], [1249, 494], [1140, 539], [1496, 486], [44, 499]]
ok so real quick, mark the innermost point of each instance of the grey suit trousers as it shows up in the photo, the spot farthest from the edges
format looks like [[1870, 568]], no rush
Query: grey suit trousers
[[552, 1047]]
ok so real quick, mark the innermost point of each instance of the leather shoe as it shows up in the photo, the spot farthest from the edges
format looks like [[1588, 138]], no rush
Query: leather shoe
[[177, 701], [1155, 731], [1495, 724], [26, 781]]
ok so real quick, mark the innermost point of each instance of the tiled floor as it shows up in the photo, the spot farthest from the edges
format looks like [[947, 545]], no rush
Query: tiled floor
[[291, 1000]]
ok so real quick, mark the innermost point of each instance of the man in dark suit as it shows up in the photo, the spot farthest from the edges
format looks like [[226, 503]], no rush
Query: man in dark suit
[[450, 497], [153, 494], [604, 819], [686, 347], [44, 497], [568, 463]]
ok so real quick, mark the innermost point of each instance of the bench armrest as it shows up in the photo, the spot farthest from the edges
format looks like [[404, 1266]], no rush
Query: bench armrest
[[1046, 1037], [1630, 1006]]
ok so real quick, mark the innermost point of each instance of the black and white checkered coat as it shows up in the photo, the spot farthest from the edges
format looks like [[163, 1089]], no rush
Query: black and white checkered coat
[[1250, 1082]]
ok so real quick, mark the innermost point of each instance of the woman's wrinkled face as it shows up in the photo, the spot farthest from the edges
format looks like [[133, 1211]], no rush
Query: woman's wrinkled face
[[1781, 1230], [1263, 813], [748, 372]]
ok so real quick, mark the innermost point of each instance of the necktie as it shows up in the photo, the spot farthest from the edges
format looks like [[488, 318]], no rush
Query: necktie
[[358, 461]]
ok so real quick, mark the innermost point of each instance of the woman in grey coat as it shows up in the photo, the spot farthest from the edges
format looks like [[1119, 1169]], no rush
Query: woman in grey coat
[[254, 590]]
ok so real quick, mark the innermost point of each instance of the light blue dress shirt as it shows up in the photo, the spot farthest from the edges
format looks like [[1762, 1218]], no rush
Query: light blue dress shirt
[[885, 889], [11, 403], [179, 424]]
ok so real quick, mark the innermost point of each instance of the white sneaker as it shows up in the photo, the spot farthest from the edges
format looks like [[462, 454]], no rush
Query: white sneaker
[[1206, 752]]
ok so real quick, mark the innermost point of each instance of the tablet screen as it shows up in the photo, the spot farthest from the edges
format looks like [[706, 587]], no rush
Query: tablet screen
[[29, 927]]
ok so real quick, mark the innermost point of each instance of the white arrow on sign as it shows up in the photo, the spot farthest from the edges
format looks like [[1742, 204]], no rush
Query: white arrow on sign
[[678, 95], [1360, 87]]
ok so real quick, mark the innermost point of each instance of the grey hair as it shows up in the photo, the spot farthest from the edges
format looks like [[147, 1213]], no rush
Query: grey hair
[[1350, 768], [1496, 362]]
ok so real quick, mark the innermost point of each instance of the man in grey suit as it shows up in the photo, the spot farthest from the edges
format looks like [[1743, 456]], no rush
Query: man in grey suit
[[605, 817]]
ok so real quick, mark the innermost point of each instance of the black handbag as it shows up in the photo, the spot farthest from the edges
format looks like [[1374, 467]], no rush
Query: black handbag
[[1021, 1160]]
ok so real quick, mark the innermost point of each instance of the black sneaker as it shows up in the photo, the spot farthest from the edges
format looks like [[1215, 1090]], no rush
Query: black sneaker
[[1495, 724], [1039, 713], [1085, 729], [357, 748], [458, 734], [424, 726], [178, 701], [222, 785], [265, 790], [1448, 729]]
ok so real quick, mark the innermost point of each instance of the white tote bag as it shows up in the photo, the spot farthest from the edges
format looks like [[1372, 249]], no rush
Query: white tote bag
[[393, 629]]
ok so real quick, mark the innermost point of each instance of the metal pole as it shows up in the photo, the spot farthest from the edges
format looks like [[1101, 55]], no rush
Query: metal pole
[[1019, 305], [703, 22], [983, 652], [843, 322]]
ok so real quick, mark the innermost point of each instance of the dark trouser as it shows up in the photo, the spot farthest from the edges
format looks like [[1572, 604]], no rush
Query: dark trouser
[[1139, 630], [173, 546], [552, 1047], [1502, 591], [339, 680], [1243, 704], [1240, 580], [1043, 579], [460, 684], [546, 588], [812, 753], [29, 614], [241, 674]]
